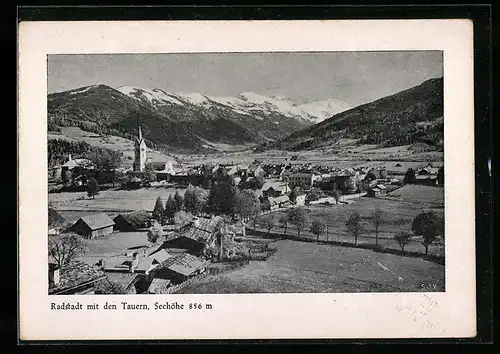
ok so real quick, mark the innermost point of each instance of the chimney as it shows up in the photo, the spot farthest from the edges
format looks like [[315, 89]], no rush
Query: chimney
[[53, 274]]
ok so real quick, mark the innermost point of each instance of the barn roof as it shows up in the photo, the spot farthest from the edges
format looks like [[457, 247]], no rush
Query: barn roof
[[136, 218], [97, 221], [184, 263], [75, 274], [123, 279]]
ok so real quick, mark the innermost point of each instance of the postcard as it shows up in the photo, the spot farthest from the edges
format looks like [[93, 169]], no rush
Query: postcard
[[246, 180]]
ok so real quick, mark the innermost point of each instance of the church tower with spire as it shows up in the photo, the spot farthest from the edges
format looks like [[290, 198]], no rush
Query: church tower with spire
[[140, 152]]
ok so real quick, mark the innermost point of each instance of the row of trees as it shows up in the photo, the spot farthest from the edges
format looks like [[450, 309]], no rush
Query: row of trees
[[427, 224]]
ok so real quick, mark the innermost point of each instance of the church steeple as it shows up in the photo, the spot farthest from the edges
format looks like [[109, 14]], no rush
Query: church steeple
[[140, 152]]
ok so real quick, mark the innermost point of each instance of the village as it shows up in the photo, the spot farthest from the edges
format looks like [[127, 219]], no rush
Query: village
[[204, 231]]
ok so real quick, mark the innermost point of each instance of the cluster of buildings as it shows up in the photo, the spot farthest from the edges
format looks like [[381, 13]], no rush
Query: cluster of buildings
[[183, 254]]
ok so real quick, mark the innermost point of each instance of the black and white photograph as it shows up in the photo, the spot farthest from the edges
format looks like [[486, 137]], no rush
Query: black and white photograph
[[246, 172]]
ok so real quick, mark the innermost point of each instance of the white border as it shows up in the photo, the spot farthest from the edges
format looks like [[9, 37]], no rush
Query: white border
[[365, 315]]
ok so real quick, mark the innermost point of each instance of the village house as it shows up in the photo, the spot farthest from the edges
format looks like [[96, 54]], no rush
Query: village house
[[93, 226], [302, 180], [132, 221], [376, 191], [274, 189], [255, 170], [75, 278]]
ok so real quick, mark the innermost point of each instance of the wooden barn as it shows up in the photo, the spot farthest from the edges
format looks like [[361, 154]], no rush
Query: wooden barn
[[132, 221], [94, 226]]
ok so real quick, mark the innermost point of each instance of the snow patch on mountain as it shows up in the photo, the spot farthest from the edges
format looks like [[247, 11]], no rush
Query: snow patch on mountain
[[83, 90], [153, 96]]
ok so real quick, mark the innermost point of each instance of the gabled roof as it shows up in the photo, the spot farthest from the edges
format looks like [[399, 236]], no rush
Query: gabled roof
[[97, 221], [76, 274], [136, 218], [201, 230]]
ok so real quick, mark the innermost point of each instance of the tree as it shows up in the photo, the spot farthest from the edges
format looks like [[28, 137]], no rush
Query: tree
[[181, 218], [64, 249], [179, 201], [283, 220], [354, 225], [246, 204], [169, 210], [105, 159], [440, 176], [293, 195], [370, 176], [155, 232], [403, 238], [311, 196], [336, 196], [428, 225], [66, 177], [377, 221], [206, 183], [158, 210], [317, 228], [297, 217], [269, 222], [92, 188], [409, 176], [149, 176], [190, 201]]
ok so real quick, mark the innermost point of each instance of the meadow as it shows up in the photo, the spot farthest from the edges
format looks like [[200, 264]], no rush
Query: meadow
[[300, 267]]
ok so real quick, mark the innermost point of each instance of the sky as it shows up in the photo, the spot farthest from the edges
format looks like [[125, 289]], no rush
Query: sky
[[353, 77]]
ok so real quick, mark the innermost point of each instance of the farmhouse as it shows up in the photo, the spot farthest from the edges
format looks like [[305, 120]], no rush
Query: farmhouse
[[132, 221], [73, 278], [93, 226]]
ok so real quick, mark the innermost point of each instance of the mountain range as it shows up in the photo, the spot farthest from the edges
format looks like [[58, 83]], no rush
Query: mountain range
[[411, 116], [193, 122], [184, 121]]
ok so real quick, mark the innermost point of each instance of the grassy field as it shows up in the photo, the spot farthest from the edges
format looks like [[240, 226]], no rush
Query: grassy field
[[300, 267], [397, 214], [418, 194], [111, 200]]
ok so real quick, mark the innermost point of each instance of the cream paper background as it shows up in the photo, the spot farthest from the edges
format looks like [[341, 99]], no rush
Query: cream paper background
[[250, 316]]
